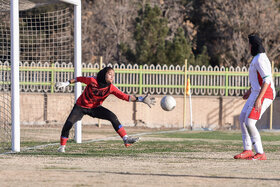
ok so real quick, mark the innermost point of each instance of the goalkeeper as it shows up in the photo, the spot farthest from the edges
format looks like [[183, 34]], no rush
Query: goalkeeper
[[89, 103]]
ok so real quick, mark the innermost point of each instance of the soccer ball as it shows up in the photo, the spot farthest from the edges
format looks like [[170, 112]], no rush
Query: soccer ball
[[168, 103]]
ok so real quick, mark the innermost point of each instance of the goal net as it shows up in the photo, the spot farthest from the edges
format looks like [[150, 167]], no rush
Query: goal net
[[46, 35], [5, 109]]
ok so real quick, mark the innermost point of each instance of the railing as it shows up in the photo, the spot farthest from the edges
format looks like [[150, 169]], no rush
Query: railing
[[137, 79]]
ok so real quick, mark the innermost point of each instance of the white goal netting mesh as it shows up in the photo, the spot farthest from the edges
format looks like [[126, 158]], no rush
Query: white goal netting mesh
[[46, 35], [5, 111]]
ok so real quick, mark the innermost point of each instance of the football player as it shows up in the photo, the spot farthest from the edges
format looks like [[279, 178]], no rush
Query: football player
[[90, 103], [259, 98]]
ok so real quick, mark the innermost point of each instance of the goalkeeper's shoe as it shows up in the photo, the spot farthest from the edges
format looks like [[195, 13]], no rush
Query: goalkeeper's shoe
[[258, 156], [61, 149], [129, 141], [246, 154]]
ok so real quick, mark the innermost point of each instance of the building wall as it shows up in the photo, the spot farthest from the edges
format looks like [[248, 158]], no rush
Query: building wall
[[207, 112]]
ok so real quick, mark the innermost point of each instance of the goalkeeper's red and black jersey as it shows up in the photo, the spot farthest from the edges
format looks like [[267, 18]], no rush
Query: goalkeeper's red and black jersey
[[94, 95]]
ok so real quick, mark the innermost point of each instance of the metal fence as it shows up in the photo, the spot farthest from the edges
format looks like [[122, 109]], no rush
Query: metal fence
[[136, 79]]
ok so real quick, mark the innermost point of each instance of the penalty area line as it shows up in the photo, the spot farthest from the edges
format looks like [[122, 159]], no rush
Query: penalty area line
[[137, 134]]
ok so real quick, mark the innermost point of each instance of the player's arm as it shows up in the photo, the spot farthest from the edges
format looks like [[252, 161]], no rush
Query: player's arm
[[247, 94], [63, 85], [132, 98], [119, 94], [146, 99], [266, 76], [71, 81], [258, 102]]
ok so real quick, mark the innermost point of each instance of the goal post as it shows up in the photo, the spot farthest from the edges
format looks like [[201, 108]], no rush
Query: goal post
[[15, 96], [78, 61], [15, 59]]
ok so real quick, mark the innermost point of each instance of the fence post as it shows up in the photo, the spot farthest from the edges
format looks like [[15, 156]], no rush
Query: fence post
[[226, 81], [185, 94], [52, 78], [100, 67], [141, 80], [271, 106]]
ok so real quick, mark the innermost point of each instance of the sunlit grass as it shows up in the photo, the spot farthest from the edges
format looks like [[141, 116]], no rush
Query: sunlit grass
[[167, 143]]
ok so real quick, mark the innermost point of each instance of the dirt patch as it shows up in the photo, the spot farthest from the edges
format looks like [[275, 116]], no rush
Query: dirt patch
[[178, 169]]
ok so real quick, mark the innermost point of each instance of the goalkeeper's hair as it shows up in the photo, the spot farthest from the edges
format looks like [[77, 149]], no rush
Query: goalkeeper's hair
[[101, 77]]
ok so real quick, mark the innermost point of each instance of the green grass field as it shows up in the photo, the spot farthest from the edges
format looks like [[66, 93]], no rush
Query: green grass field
[[155, 143], [162, 157]]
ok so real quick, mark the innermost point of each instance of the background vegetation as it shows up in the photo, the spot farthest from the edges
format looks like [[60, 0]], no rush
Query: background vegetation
[[169, 31]]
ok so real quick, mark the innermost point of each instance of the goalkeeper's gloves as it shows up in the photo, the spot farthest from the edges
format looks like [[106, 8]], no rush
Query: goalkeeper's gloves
[[147, 100], [62, 84]]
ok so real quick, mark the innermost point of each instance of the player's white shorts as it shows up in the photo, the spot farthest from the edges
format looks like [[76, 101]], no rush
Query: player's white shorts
[[249, 108]]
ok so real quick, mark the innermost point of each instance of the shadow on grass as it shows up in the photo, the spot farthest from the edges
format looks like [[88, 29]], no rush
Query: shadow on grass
[[182, 175]]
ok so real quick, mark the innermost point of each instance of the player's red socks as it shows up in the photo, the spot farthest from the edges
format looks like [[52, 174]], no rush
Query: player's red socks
[[63, 140], [121, 132]]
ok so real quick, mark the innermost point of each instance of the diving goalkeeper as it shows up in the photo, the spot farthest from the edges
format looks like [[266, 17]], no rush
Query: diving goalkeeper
[[89, 103]]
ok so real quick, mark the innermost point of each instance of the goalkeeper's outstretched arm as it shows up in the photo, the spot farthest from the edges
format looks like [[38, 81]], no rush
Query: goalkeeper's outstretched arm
[[63, 85], [71, 81], [148, 100]]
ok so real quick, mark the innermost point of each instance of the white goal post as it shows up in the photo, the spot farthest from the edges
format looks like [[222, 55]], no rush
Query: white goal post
[[15, 58]]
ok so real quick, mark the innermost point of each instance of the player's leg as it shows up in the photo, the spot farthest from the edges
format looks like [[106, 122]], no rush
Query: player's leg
[[255, 135], [247, 144], [253, 131], [75, 115], [104, 113]]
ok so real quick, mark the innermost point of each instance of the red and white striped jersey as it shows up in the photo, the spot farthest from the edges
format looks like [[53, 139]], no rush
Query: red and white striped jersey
[[259, 72], [93, 95]]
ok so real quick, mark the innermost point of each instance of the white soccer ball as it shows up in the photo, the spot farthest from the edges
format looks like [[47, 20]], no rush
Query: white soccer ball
[[168, 103]]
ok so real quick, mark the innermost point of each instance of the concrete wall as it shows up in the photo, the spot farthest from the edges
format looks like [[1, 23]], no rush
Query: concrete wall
[[208, 112]]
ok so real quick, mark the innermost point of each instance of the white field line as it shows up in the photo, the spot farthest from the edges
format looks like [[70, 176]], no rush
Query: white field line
[[95, 140]]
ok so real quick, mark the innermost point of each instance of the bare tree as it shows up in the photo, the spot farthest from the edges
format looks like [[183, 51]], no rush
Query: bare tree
[[234, 21], [175, 12], [106, 24]]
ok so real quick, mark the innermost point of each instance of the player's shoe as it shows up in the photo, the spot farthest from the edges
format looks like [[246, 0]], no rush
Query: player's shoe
[[259, 156], [61, 149], [246, 154], [130, 140]]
